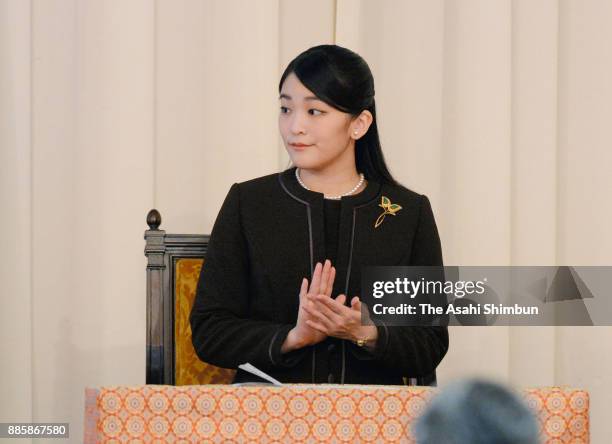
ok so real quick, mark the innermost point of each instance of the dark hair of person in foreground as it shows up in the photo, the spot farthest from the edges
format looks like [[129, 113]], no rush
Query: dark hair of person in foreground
[[476, 411]]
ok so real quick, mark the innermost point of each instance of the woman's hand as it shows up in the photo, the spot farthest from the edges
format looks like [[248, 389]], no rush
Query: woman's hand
[[332, 318], [322, 284]]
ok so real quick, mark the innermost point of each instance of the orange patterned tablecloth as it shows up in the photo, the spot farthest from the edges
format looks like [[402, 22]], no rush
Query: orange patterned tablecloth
[[294, 413]]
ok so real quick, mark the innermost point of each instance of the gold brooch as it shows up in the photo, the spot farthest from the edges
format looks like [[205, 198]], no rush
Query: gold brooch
[[389, 208]]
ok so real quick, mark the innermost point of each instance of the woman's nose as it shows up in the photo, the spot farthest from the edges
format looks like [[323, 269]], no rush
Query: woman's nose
[[297, 125]]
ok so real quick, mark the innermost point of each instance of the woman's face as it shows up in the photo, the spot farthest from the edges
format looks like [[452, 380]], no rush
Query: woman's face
[[304, 119]]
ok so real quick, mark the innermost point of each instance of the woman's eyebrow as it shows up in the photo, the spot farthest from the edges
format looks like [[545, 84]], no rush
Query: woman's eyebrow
[[288, 97]]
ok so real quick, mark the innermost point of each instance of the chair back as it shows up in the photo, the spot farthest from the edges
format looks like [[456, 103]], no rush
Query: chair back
[[174, 262]]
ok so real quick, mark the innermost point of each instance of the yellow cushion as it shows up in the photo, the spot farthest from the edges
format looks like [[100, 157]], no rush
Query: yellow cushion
[[189, 369]]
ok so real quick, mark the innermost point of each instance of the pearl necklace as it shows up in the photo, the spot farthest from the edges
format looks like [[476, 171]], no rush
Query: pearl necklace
[[361, 176]]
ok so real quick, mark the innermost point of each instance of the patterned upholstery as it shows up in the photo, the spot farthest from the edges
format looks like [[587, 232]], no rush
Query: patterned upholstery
[[189, 369], [301, 412]]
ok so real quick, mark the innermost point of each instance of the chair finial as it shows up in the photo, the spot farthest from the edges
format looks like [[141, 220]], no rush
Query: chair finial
[[153, 219]]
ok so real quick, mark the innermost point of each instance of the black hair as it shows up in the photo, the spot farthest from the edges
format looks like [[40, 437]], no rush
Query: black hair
[[343, 80]]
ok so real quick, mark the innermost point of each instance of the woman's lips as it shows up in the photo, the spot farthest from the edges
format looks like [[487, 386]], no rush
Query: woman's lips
[[299, 146]]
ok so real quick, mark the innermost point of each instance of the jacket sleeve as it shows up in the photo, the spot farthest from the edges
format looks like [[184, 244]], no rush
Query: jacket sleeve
[[222, 332], [413, 350]]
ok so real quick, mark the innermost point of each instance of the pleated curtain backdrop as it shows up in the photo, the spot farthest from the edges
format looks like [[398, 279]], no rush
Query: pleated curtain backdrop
[[498, 110]]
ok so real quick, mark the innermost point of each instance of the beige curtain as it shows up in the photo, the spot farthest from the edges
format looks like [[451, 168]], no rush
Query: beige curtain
[[498, 110]]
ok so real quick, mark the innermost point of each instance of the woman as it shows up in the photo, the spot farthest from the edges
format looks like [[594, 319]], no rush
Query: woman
[[287, 249]]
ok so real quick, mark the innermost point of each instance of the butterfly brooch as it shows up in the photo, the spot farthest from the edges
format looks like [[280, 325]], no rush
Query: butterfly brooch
[[388, 207]]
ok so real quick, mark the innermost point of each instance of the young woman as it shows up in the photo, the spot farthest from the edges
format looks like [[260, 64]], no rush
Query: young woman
[[280, 284]]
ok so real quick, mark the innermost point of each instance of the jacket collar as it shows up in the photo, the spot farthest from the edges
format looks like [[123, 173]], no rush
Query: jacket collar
[[290, 184]]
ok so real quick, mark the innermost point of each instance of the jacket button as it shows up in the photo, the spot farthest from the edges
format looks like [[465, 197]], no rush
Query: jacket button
[[330, 378], [331, 347]]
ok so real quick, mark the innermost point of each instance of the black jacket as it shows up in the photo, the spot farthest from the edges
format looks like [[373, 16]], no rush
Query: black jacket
[[267, 237]]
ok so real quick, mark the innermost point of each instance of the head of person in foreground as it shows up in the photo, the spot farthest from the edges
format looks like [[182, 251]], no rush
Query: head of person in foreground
[[475, 411]]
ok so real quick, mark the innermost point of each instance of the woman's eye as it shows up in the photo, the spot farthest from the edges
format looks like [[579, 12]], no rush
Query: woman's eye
[[285, 110]]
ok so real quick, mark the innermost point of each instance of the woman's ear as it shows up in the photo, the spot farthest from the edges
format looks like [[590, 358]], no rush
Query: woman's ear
[[361, 124], [367, 119]]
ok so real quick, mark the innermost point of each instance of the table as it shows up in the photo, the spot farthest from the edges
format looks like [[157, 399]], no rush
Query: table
[[295, 413]]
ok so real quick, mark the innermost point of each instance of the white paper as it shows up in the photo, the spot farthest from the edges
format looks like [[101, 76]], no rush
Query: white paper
[[254, 370]]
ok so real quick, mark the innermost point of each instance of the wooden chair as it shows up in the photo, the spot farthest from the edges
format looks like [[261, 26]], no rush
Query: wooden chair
[[173, 270]]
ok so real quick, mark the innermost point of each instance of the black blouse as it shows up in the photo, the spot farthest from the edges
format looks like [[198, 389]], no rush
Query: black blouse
[[331, 208]]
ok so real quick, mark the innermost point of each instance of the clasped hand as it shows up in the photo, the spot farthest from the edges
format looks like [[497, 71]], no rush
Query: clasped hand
[[320, 315]]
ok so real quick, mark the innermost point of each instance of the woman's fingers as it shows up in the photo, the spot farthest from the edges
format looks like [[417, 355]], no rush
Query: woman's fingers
[[315, 314], [315, 284], [322, 306], [324, 276], [328, 274], [322, 279], [303, 288], [330, 282]]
